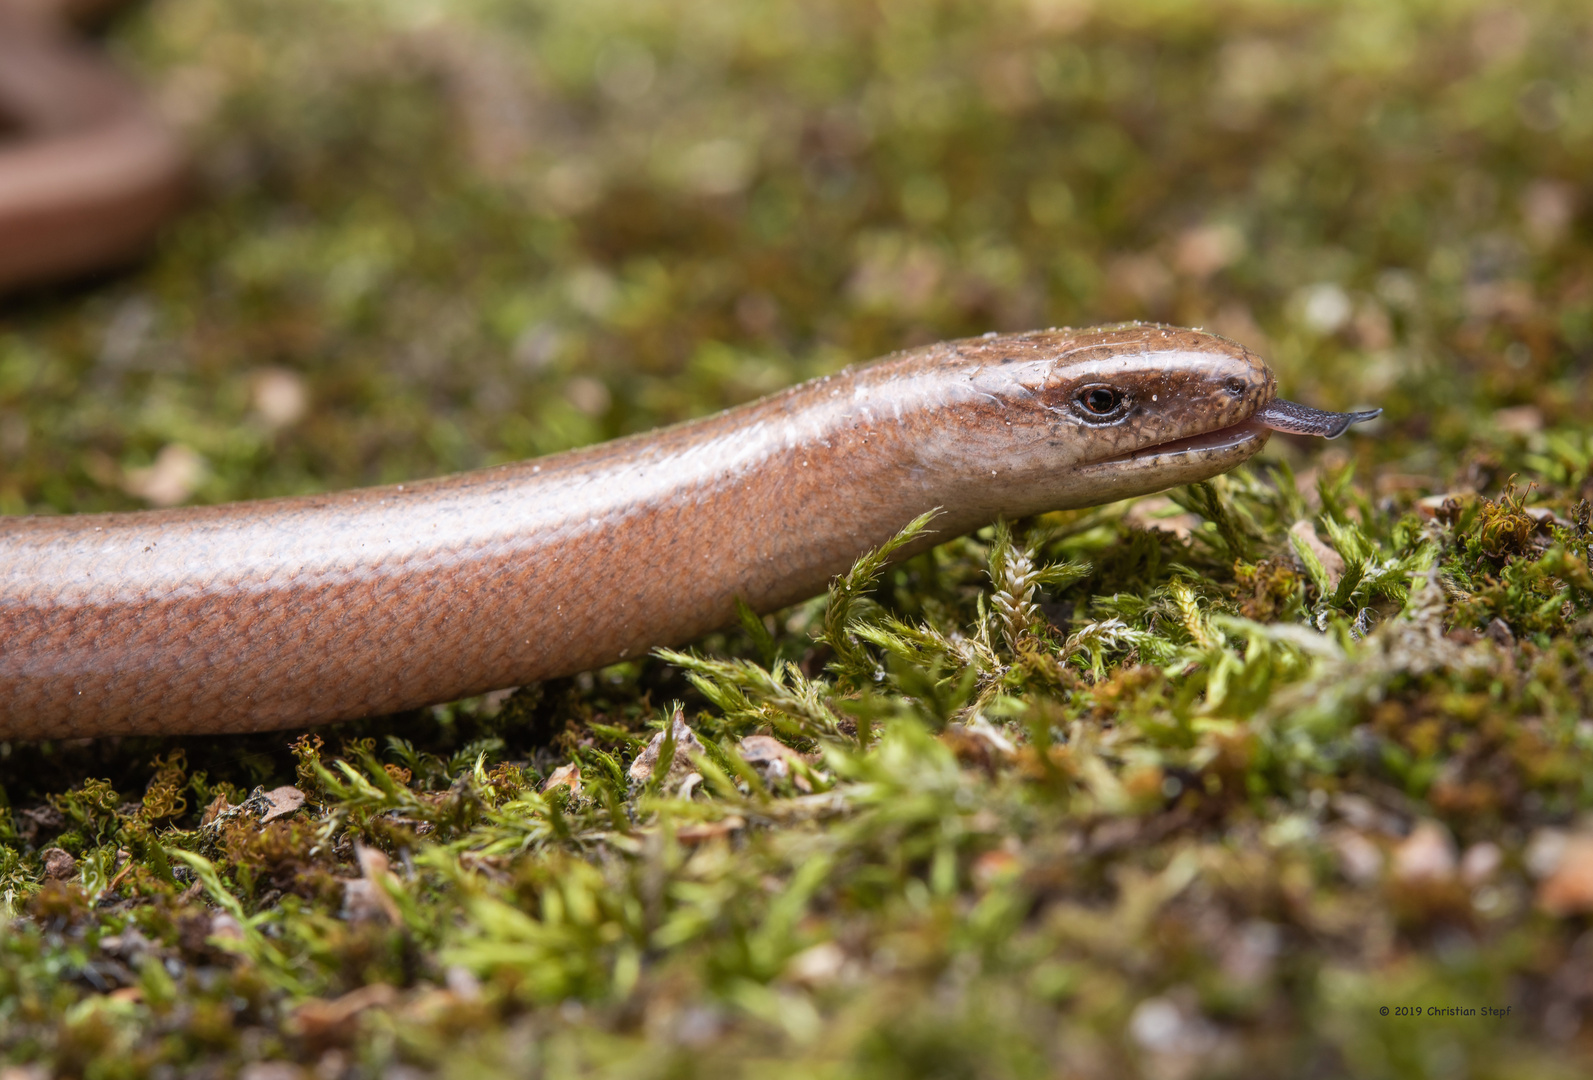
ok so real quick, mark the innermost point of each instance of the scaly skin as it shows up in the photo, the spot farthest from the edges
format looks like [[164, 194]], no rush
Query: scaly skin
[[304, 610]]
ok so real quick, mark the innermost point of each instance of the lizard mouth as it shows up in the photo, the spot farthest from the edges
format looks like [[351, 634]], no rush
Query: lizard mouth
[[1230, 445], [1169, 464], [1245, 437]]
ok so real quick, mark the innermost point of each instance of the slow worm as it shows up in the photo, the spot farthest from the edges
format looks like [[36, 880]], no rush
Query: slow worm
[[303, 610], [297, 611]]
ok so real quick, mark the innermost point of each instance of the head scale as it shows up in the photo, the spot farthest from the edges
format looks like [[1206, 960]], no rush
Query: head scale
[[1079, 418]]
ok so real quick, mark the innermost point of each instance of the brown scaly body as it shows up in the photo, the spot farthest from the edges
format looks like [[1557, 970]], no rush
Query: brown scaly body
[[291, 611]]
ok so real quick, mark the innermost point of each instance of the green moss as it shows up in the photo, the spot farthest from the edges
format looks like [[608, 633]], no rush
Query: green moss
[[1178, 788]]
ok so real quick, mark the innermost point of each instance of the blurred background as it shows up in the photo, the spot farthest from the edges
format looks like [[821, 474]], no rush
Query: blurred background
[[431, 236]]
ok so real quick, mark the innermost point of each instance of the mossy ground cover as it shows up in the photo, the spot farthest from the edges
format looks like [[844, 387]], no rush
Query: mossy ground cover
[[1195, 786]]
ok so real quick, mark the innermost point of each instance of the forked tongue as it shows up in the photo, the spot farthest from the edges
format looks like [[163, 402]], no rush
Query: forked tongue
[[1296, 419]]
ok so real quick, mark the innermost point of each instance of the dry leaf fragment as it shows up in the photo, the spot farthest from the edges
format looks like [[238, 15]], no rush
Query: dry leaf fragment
[[1366, 816], [1206, 249], [1519, 420], [462, 983], [59, 865], [130, 944], [763, 750], [1500, 634], [218, 806], [978, 743], [361, 902], [775, 760], [680, 767], [1480, 863], [280, 397], [565, 776], [1567, 888], [224, 927], [366, 897], [1360, 860], [283, 801], [703, 831], [262, 806], [1427, 854], [326, 1023], [1160, 512], [176, 474], [1443, 506], [817, 965]]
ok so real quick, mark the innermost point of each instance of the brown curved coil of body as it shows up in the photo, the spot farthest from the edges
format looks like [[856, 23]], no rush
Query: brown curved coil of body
[[88, 170]]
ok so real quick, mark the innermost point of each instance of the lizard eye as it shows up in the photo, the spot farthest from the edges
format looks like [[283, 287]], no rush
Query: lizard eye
[[1100, 400]]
